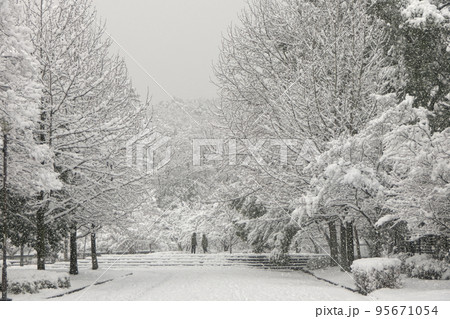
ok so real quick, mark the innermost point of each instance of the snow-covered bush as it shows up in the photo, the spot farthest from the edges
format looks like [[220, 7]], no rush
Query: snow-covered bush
[[278, 257], [425, 267], [403, 257], [282, 241], [22, 281], [375, 273], [318, 262]]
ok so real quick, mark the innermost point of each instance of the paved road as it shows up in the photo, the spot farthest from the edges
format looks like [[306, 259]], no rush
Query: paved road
[[209, 283]]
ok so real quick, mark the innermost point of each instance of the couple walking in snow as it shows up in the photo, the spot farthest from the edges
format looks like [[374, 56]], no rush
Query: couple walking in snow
[[194, 243]]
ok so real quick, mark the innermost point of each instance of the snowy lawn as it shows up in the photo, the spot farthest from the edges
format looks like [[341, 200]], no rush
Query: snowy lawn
[[201, 283], [412, 288]]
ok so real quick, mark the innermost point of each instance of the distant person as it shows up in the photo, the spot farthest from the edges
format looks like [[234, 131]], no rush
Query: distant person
[[193, 243], [204, 244]]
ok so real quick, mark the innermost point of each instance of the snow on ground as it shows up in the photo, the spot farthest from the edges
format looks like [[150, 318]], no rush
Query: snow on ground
[[334, 274], [413, 288], [232, 284], [201, 283], [416, 289]]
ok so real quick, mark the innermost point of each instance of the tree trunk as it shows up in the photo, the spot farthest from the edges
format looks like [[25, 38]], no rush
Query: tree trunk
[[316, 248], [4, 271], [377, 246], [5, 219], [73, 251], [343, 236], [22, 262], [350, 245], [358, 245], [333, 242], [66, 248], [94, 249], [41, 234], [84, 248]]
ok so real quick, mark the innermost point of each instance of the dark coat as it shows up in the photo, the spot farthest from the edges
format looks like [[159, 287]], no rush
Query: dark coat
[[194, 240], [204, 242]]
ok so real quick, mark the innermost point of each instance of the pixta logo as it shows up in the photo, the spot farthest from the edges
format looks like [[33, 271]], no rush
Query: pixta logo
[[249, 152], [149, 151]]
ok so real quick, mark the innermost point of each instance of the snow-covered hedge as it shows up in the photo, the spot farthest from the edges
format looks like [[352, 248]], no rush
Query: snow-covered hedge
[[375, 273], [425, 267], [23, 281]]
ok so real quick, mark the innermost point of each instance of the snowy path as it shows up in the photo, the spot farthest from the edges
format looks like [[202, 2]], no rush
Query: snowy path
[[212, 283]]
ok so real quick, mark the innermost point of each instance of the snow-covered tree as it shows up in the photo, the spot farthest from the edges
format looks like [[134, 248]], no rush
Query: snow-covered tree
[[417, 45], [30, 165], [298, 74], [27, 167], [304, 71], [395, 169], [88, 113]]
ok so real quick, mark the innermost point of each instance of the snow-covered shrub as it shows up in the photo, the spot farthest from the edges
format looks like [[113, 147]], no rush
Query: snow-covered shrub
[[425, 267], [318, 262], [63, 282], [282, 242], [17, 288], [375, 273], [278, 257], [31, 281], [403, 257]]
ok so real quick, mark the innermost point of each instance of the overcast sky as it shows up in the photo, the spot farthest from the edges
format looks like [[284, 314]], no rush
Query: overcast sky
[[176, 41]]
